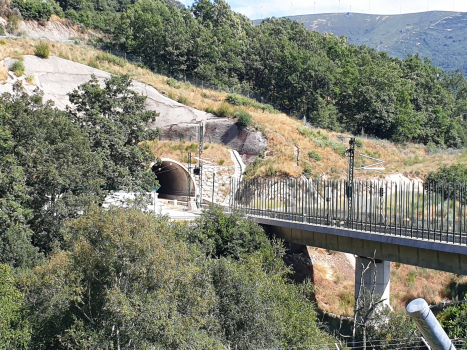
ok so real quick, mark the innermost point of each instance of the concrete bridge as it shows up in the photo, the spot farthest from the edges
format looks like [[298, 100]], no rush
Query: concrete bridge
[[418, 224]]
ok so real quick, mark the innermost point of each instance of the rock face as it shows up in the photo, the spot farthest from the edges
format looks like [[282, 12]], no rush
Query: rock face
[[56, 77], [53, 30]]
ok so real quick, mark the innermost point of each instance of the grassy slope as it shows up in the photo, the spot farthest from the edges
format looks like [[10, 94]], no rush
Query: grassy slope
[[334, 280], [438, 35], [280, 129]]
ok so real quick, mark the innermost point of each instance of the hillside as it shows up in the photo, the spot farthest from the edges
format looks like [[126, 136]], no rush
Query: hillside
[[321, 151], [438, 35]]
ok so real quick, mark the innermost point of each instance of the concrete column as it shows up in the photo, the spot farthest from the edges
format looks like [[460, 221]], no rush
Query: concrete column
[[383, 274]]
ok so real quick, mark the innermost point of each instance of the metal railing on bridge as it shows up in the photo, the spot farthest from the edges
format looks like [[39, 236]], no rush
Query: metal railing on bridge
[[431, 211]]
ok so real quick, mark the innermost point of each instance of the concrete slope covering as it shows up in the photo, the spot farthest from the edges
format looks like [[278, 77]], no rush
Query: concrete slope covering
[[56, 77]]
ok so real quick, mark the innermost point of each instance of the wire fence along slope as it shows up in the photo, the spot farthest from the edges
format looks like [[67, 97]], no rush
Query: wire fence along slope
[[430, 211]]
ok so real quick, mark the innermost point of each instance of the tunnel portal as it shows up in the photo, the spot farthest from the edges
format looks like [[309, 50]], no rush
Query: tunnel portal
[[173, 180]]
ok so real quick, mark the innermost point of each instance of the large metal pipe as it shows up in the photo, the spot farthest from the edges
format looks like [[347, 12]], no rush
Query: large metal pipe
[[428, 325]]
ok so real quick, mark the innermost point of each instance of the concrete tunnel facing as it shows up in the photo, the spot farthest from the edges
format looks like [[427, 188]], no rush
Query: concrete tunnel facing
[[173, 178]]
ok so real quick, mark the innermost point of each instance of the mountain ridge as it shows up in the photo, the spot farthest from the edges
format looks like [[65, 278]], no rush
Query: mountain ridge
[[437, 35]]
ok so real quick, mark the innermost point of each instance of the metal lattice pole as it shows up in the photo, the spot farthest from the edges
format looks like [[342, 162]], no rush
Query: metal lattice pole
[[189, 180], [200, 152], [350, 153]]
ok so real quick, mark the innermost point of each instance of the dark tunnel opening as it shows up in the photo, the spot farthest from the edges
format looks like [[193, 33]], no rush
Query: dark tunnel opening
[[173, 180]]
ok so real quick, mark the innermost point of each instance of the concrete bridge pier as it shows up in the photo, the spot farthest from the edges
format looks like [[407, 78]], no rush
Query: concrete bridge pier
[[382, 269]]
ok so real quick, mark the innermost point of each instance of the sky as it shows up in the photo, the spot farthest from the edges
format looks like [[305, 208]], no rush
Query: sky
[[255, 9]]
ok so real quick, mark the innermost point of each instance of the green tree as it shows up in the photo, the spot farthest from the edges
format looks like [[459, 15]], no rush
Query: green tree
[[15, 235], [222, 234], [14, 328], [115, 122], [55, 173]]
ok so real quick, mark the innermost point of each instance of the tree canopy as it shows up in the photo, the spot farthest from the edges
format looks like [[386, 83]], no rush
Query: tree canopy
[[54, 163]]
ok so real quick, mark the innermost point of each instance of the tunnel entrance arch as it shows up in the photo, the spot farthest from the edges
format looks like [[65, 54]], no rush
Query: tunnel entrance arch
[[173, 179]]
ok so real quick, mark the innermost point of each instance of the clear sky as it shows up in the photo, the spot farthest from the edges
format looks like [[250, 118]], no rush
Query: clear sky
[[278, 8]]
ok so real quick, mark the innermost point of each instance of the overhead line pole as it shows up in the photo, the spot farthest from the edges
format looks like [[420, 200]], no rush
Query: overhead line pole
[[350, 153], [200, 152]]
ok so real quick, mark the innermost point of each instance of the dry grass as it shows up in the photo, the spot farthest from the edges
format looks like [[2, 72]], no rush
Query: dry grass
[[178, 151], [3, 74], [334, 279], [411, 282], [281, 130]]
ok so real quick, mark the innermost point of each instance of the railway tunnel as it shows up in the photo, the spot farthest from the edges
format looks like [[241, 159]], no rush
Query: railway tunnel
[[173, 179]]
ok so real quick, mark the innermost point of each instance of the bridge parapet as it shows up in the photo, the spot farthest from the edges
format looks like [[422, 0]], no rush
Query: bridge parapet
[[434, 212]]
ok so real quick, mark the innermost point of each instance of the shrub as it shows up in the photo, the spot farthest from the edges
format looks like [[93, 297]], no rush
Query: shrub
[[239, 100], [93, 63], [42, 50], [225, 110], [306, 168], [221, 161], [173, 83], [30, 78], [171, 95], [314, 155], [244, 119], [2, 42], [235, 100], [359, 143], [211, 110], [339, 149], [107, 57], [18, 68], [183, 100]]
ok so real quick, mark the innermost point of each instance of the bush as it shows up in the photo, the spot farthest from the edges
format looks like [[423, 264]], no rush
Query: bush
[[244, 119], [42, 50], [211, 110], [18, 68], [306, 168], [314, 155], [225, 110], [359, 143], [448, 174], [2, 42], [30, 78], [454, 320], [221, 161], [239, 100], [107, 57], [183, 100], [235, 100], [173, 83], [339, 149]]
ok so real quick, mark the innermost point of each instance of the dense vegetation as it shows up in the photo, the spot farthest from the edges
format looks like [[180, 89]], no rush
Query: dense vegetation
[[335, 84], [54, 164], [76, 276]]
